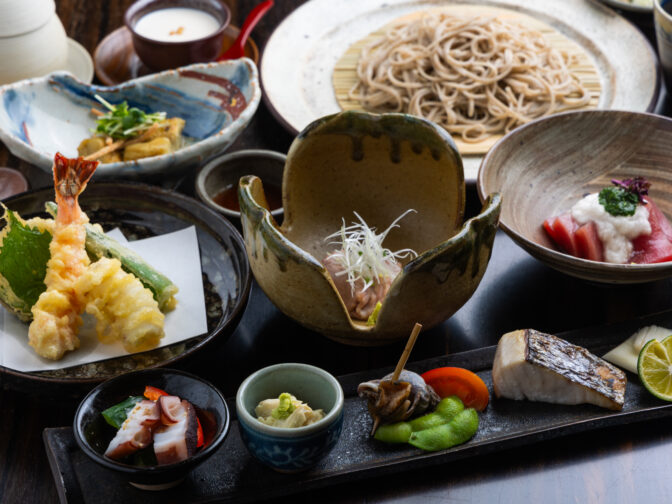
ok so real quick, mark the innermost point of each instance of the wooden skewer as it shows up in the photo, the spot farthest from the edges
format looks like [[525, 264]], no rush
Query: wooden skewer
[[407, 351]]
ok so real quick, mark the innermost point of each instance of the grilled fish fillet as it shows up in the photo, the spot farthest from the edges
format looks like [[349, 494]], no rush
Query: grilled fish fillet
[[541, 367]]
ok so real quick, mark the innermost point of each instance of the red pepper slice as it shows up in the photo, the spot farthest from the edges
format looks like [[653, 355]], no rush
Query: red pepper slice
[[199, 434], [468, 386], [153, 393]]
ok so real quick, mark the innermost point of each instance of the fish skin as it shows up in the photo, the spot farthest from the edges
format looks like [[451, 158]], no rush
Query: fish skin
[[541, 367]]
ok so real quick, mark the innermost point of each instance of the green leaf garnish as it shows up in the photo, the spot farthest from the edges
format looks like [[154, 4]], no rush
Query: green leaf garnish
[[116, 415], [23, 264], [618, 201], [285, 407], [122, 122]]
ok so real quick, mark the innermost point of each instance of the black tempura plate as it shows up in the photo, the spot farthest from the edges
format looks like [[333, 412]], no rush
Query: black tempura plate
[[141, 211], [233, 475]]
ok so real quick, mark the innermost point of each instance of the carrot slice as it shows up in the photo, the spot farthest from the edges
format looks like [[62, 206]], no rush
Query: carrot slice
[[468, 386]]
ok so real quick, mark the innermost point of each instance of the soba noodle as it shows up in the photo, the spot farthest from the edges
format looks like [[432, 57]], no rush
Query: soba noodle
[[474, 76]]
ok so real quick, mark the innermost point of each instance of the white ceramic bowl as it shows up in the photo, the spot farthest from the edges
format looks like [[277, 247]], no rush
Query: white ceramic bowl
[[22, 16]]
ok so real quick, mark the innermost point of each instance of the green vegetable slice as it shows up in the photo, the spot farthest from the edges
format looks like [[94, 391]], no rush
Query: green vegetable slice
[[24, 252], [117, 414]]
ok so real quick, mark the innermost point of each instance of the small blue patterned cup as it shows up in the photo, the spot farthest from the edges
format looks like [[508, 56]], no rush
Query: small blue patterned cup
[[296, 449]]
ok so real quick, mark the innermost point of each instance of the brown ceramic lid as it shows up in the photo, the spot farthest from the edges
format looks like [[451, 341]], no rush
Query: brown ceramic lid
[[11, 182]]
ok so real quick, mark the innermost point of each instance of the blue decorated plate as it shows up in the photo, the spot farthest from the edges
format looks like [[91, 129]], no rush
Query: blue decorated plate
[[42, 116]]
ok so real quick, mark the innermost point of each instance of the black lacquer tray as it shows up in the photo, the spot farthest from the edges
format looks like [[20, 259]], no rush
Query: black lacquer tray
[[232, 475]]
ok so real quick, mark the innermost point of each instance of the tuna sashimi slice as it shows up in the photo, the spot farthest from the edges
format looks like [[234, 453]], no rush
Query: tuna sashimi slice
[[588, 243], [561, 230], [655, 247]]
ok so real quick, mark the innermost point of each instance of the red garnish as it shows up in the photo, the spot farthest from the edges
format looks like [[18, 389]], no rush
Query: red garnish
[[199, 434], [638, 185], [153, 393]]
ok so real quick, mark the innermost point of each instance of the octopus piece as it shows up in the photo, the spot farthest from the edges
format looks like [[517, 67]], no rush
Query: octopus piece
[[394, 401], [178, 440], [136, 431]]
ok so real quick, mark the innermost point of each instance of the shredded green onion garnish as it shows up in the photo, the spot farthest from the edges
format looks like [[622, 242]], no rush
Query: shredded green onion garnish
[[362, 255], [122, 122]]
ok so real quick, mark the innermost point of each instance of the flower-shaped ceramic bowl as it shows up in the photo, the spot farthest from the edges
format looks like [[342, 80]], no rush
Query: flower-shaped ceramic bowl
[[378, 166], [39, 117], [300, 448], [542, 168]]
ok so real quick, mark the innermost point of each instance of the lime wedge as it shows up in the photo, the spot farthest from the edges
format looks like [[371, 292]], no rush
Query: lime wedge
[[655, 368]]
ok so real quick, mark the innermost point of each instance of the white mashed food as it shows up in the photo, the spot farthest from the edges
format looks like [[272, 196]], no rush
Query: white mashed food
[[615, 232]]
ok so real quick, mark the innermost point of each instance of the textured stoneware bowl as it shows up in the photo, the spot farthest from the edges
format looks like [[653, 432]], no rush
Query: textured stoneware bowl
[[378, 166], [541, 169], [300, 448]]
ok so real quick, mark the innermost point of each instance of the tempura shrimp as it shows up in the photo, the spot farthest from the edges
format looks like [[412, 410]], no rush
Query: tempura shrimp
[[56, 315]]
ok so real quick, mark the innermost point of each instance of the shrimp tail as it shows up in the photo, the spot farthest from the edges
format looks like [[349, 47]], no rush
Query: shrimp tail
[[71, 176]]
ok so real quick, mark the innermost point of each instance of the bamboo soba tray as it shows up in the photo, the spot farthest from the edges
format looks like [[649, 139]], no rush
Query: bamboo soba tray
[[297, 68], [580, 63]]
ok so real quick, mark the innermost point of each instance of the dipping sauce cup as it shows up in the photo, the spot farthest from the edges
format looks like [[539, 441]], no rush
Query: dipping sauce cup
[[173, 33]]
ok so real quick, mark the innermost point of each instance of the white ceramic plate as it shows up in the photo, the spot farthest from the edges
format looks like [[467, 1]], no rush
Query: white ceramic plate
[[299, 58], [79, 62], [628, 6]]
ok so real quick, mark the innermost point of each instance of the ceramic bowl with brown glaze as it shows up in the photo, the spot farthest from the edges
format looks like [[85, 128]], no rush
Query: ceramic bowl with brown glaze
[[543, 168], [378, 166], [163, 55]]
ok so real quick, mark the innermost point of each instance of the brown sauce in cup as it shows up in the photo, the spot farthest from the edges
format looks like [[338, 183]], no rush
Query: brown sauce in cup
[[228, 197]]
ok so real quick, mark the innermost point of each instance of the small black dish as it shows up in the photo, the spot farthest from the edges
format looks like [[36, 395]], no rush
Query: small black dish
[[93, 434]]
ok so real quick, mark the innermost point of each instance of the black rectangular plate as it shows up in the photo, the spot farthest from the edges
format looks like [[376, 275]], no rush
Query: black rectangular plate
[[232, 474]]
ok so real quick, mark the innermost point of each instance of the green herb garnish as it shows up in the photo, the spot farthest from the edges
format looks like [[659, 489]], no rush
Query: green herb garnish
[[617, 201], [622, 200], [285, 407], [122, 122], [116, 415]]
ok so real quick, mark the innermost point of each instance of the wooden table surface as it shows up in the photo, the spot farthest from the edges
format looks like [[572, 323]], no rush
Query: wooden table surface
[[622, 464]]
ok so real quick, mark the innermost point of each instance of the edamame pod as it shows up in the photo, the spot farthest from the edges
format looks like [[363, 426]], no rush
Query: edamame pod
[[400, 432], [459, 430]]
